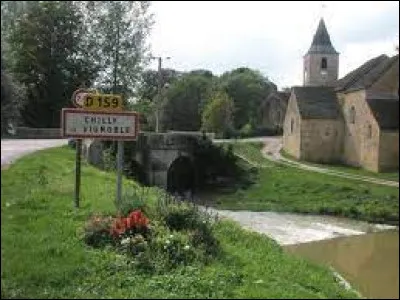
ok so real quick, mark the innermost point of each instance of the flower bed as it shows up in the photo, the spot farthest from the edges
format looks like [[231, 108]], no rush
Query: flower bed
[[176, 234]]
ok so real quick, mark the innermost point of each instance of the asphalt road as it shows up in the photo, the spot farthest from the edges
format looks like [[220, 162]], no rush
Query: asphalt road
[[11, 149]]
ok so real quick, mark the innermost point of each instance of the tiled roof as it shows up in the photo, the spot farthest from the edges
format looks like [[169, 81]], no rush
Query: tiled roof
[[317, 102], [366, 75]]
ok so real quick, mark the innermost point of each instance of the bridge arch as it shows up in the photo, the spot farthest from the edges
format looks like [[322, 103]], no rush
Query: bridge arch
[[181, 175]]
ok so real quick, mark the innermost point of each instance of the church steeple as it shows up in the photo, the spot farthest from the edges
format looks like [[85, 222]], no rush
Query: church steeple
[[321, 62], [322, 42]]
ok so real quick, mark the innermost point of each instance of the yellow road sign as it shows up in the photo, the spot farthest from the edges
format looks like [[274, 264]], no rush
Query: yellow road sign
[[103, 102]]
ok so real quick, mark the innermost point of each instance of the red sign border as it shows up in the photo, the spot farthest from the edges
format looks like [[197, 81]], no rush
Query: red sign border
[[97, 136]]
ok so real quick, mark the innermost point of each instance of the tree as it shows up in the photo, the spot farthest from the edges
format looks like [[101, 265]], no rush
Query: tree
[[218, 114], [182, 107], [119, 30], [247, 88], [49, 59], [148, 88], [12, 98], [145, 108]]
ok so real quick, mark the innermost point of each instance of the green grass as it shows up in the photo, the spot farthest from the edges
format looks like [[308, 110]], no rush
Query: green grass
[[43, 256], [289, 189], [252, 152], [349, 169]]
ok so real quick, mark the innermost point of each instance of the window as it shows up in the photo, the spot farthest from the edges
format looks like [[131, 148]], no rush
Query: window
[[324, 63], [352, 116], [291, 126], [369, 131]]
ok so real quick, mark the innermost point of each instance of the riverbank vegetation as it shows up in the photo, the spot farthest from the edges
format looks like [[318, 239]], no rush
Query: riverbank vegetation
[[51, 250], [285, 188]]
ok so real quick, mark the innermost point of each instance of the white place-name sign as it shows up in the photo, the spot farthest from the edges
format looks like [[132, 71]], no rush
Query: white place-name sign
[[78, 123]]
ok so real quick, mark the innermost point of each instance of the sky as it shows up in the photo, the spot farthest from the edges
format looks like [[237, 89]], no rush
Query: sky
[[269, 36]]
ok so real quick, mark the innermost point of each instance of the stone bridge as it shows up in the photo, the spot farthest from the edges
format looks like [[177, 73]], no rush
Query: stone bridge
[[164, 159]]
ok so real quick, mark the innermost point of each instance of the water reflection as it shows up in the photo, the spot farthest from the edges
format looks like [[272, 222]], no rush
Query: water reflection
[[369, 262]]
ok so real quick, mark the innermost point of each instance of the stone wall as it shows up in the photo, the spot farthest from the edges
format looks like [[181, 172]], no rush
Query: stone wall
[[362, 138], [321, 140], [291, 138], [389, 151]]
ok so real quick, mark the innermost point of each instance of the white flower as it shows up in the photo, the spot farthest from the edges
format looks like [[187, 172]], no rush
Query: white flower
[[8, 204], [167, 242], [125, 241], [187, 247], [171, 236]]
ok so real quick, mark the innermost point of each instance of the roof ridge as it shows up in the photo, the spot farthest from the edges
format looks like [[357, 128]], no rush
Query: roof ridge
[[345, 82]]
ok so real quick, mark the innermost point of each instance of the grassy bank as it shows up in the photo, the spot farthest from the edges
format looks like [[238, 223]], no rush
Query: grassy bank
[[43, 255], [348, 169], [285, 188]]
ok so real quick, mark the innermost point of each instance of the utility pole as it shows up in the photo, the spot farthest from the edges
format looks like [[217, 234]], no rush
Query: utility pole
[[159, 90]]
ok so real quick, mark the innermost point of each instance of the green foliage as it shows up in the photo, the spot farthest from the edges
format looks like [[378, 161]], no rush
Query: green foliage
[[13, 96], [218, 114], [213, 162], [146, 110], [131, 200], [54, 47], [247, 88], [46, 55], [118, 33], [148, 88], [182, 106], [109, 159], [246, 130]]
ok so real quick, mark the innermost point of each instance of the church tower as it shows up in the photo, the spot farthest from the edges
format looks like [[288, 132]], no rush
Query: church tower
[[321, 62]]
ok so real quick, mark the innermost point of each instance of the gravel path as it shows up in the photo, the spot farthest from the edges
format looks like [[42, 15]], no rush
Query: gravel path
[[271, 151]]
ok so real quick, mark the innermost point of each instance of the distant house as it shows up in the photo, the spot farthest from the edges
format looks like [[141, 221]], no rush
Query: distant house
[[273, 110], [354, 120]]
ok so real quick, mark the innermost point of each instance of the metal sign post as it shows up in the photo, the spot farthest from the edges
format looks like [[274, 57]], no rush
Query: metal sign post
[[80, 123], [78, 171], [120, 161]]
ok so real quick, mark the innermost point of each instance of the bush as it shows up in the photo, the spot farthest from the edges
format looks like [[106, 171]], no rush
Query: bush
[[246, 130], [183, 216], [97, 231]]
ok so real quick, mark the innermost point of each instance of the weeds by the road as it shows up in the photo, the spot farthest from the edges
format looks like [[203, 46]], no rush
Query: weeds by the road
[[44, 255]]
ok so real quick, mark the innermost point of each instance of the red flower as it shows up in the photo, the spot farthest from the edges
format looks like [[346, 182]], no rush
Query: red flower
[[118, 227]]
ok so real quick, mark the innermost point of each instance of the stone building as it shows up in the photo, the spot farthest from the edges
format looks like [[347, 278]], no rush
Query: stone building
[[273, 110], [354, 120]]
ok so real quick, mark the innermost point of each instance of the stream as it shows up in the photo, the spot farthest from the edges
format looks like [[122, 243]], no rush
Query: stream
[[366, 255]]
